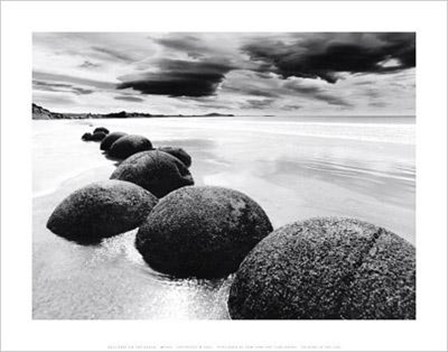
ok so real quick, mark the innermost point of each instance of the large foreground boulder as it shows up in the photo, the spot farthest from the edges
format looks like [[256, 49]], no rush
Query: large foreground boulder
[[129, 145], [100, 210], [156, 171], [179, 153], [110, 139], [326, 268], [201, 232]]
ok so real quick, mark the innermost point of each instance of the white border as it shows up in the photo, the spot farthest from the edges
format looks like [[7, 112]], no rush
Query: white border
[[20, 19]]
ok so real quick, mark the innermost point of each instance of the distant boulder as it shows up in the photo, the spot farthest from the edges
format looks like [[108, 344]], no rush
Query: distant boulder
[[201, 232], [179, 153], [100, 210], [101, 129], [158, 172], [326, 268], [129, 145], [98, 136], [86, 136], [110, 139]]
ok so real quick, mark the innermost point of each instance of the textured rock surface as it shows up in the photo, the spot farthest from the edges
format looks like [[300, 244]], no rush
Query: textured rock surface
[[326, 268], [100, 210], [156, 171], [101, 129], [110, 139], [201, 231], [129, 145], [179, 153]]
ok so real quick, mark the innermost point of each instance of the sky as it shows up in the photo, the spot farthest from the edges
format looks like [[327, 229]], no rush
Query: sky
[[238, 73]]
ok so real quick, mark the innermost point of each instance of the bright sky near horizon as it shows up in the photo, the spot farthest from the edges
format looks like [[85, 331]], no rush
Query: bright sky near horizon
[[239, 73]]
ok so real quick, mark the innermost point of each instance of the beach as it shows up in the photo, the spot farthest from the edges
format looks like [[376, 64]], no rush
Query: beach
[[294, 167]]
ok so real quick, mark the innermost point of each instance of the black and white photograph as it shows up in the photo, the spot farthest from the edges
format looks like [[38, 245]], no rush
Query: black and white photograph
[[224, 175], [241, 176]]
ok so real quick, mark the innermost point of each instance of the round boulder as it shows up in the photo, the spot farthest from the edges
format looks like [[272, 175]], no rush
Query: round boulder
[[158, 172], [110, 139], [86, 137], [326, 268], [178, 153], [101, 129], [100, 210], [202, 232], [98, 136], [129, 145]]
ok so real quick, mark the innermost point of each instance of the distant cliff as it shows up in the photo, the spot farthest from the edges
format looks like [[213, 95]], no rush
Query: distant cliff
[[40, 113]]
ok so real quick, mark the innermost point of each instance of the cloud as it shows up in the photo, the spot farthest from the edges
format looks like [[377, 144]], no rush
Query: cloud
[[193, 46], [316, 91], [114, 54], [258, 104], [129, 98], [88, 64], [177, 78], [60, 87], [38, 75], [326, 55]]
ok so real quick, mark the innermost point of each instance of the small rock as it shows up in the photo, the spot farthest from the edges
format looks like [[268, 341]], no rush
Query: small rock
[[101, 129]]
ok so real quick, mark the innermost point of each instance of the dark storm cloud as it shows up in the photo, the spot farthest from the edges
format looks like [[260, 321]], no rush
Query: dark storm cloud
[[177, 78], [130, 98], [326, 55], [60, 87]]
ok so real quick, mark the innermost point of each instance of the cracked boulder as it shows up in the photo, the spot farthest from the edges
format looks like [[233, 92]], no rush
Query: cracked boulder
[[156, 171], [326, 268], [202, 232], [100, 210]]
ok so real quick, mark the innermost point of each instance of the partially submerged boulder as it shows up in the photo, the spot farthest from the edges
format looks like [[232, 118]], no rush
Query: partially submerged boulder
[[100, 210], [203, 232], [101, 129], [158, 172], [326, 268], [179, 153], [98, 136], [86, 136], [129, 145], [110, 139]]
